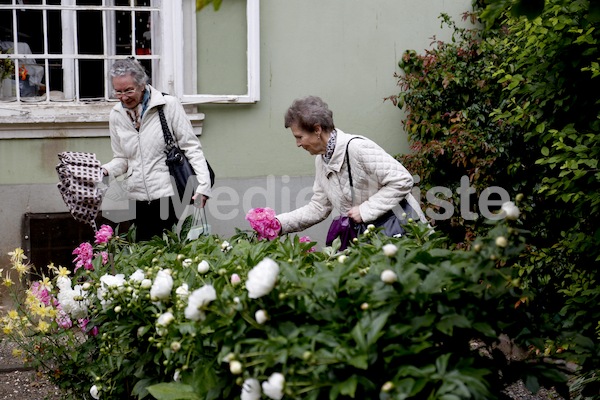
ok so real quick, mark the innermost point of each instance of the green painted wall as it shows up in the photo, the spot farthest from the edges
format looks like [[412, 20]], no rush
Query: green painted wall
[[345, 51]]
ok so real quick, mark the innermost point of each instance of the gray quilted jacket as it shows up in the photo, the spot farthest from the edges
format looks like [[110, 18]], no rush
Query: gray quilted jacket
[[140, 156], [380, 182]]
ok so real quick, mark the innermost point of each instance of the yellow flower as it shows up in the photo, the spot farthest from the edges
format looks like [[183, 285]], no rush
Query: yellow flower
[[45, 283], [13, 314], [7, 281], [43, 326], [21, 268], [7, 329], [17, 353], [17, 256], [63, 272]]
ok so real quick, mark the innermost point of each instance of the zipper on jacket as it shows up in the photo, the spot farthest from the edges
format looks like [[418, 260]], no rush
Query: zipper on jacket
[[142, 165]]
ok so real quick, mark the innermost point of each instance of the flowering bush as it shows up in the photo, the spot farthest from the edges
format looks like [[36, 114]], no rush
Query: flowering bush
[[254, 319]]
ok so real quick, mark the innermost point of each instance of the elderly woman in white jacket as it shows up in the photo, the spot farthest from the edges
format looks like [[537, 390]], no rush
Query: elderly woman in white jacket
[[380, 182], [138, 147]]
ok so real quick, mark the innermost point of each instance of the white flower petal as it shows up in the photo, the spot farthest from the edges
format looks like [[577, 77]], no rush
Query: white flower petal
[[262, 278], [251, 390], [197, 300], [273, 388]]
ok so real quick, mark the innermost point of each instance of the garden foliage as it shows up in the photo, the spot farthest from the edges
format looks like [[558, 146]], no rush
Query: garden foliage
[[512, 102], [388, 318]]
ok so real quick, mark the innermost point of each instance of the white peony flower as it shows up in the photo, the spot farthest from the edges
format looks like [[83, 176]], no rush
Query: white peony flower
[[510, 210], [389, 276], [261, 316], [177, 375], [72, 301], [262, 278], [109, 282], [197, 300], [273, 388], [251, 390], [94, 392], [146, 284], [186, 263], [137, 276], [390, 250], [165, 319], [203, 267], [162, 285], [182, 291], [342, 259]]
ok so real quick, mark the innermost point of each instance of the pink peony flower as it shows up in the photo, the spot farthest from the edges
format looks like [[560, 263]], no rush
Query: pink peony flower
[[83, 322], [104, 256], [306, 239], [263, 221], [84, 253], [104, 234]]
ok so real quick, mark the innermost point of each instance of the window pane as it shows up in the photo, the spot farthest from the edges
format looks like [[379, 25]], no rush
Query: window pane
[[89, 32], [91, 84], [222, 69]]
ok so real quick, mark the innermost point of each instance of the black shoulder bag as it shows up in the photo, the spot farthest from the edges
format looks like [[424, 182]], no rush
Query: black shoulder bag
[[389, 222], [179, 166]]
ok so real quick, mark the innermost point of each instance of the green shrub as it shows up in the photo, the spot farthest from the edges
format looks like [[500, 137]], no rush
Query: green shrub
[[515, 105], [387, 318]]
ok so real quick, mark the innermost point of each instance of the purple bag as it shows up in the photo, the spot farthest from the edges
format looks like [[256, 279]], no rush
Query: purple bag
[[343, 228]]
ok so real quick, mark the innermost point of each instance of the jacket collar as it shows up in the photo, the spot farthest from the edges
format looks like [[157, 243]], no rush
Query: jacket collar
[[337, 159]]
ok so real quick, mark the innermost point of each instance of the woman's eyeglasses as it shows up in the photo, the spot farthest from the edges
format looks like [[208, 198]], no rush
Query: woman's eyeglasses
[[128, 93]]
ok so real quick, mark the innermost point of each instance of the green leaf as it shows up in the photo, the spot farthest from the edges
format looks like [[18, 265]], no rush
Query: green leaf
[[172, 391]]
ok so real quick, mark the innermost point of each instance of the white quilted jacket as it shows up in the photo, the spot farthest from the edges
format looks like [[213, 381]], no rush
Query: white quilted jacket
[[141, 155], [380, 182]]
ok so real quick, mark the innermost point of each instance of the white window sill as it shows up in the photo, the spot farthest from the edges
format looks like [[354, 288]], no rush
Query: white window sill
[[63, 120]]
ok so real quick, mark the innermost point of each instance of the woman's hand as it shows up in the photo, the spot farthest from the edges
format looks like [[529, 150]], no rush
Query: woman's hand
[[199, 200], [354, 213]]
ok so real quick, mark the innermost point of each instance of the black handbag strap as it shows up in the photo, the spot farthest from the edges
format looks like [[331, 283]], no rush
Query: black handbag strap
[[165, 127], [347, 158]]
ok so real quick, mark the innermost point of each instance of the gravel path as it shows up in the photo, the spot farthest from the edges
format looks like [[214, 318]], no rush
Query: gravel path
[[20, 383]]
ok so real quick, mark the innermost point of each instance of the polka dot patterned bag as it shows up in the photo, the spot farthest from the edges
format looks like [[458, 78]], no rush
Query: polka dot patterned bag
[[80, 176]]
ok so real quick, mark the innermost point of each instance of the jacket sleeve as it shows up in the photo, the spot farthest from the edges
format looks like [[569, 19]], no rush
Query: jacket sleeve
[[312, 213], [188, 142], [379, 170], [119, 164]]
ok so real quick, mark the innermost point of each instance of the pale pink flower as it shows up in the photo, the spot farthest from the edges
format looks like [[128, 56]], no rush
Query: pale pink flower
[[263, 221], [41, 293], [306, 239], [62, 319], [104, 234]]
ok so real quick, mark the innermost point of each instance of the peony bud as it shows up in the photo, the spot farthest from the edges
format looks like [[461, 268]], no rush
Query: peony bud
[[388, 276], [501, 241], [235, 367], [390, 250]]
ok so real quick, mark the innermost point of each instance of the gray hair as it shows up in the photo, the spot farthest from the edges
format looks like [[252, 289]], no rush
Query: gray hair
[[130, 66], [308, 112]]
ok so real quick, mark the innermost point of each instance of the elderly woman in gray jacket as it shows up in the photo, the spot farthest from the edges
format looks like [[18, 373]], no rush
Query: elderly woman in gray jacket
[[380, 182], [138, 147]]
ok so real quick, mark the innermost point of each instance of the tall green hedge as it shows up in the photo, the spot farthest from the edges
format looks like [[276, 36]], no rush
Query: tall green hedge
[[513, 102]]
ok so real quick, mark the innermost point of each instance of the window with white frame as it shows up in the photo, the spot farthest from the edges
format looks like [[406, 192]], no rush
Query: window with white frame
[[60, 51]]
